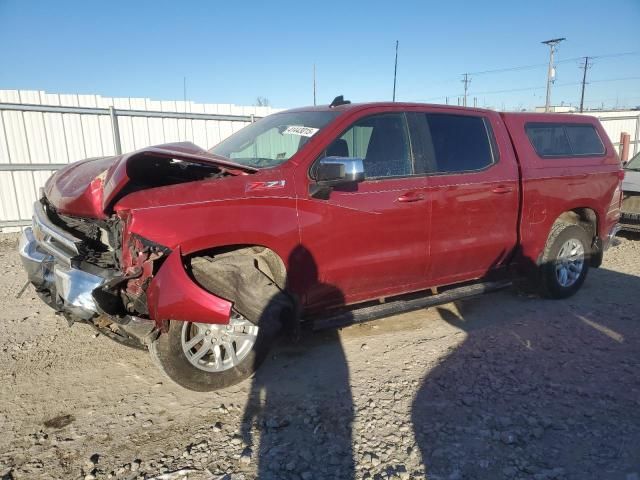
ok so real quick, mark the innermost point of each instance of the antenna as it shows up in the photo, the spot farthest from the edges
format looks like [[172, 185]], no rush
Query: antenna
[[339, 100]]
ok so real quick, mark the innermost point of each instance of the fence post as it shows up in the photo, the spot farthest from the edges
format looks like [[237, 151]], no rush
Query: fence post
[[624, 146], [116, 131], [637, 139]]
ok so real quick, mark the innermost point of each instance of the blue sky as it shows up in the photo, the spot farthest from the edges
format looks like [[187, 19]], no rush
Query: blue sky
[[234, 51]]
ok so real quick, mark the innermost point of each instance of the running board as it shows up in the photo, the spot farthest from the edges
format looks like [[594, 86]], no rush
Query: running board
[[345, 318]]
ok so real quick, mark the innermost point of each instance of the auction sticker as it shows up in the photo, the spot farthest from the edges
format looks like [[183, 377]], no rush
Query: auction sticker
[[300, 130]]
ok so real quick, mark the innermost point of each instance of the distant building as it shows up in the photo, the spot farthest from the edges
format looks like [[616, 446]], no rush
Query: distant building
[[558, 109]]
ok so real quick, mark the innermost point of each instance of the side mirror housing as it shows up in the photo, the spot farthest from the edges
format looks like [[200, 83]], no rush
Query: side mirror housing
[[332, 171]]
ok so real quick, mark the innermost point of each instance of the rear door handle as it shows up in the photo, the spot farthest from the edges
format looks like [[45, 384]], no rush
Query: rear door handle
[[411, 197], [502, 189]]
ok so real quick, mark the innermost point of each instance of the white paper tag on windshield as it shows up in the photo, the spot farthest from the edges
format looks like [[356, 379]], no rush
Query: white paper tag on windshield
[[300, 130]]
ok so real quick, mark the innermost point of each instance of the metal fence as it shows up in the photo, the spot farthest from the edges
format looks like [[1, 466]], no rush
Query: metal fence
[[41, 132], [615, 123]]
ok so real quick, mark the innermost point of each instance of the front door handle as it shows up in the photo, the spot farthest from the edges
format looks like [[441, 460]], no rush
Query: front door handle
[[502, 189], [411, 197]]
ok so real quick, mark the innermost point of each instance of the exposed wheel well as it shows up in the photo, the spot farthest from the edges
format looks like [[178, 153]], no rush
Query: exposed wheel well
[[252, 277], [264, 259], [585, 217]]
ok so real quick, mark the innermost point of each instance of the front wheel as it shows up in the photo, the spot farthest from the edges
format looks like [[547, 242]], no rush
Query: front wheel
[[205, 357], [565, 261]]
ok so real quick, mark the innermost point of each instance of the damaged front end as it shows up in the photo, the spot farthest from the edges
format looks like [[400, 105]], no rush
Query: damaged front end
[[97, 272], [74, 265], [85, 262], [72, 262]]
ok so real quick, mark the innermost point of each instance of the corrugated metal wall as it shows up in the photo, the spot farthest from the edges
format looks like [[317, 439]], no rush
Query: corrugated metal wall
[[34, 143], [616, 123], [40, 132]]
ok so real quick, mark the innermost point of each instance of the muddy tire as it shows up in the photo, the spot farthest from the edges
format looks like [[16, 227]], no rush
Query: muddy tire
[[565, 261], [215, 369]]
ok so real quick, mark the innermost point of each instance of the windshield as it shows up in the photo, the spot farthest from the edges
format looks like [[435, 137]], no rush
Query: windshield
[[634, 163], [273, 139]]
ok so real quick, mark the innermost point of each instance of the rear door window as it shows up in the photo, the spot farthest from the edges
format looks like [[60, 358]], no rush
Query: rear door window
[[564, 139], [449, 143]]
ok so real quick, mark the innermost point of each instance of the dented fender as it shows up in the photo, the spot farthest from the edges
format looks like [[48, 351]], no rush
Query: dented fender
[[173, 295]]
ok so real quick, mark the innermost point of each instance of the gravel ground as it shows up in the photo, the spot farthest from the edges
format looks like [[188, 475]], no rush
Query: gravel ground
[[500, 386]]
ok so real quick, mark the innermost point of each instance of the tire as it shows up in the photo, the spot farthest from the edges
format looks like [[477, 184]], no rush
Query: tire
[[565, 261], [205, 357], [168, 353]]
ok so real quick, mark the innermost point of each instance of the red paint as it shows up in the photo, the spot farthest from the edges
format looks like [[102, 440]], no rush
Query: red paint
[[554, 186], [377, 239], [173, 295]]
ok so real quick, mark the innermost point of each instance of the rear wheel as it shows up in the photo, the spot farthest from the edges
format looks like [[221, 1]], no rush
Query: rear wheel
[[565, 261]]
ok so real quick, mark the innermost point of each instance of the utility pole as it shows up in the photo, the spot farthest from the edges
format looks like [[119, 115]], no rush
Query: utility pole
[[314, 84], [551, 73], [395, 73], [584, 81], [184, 96], [466, 81]]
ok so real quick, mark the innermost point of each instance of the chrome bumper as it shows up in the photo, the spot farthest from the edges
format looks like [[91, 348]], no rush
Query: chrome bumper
[[46, 253]]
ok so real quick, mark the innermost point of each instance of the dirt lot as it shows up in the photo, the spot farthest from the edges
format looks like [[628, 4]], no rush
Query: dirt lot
[[501, 386]]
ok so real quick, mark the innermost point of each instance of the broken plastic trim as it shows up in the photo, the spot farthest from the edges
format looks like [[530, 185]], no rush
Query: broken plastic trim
[[173, 295]]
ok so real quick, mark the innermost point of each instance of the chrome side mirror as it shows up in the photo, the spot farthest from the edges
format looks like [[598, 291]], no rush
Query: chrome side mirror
[[339, 170]]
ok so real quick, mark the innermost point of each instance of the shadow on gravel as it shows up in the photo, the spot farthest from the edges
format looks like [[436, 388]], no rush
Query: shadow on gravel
[[297, 420], [539, 389]]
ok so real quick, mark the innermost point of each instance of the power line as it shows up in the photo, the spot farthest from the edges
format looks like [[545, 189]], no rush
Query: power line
[[525, 89], [539, 65], [614, 79], [509, 69]]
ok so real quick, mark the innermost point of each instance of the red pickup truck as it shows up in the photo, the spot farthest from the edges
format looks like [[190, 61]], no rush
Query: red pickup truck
[[330, 215]]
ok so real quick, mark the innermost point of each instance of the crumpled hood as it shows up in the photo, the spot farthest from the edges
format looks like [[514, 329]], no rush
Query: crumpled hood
[[631, 182], [87, 188]]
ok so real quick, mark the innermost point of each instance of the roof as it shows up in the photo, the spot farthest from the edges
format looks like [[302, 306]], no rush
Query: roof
[[361, 106]]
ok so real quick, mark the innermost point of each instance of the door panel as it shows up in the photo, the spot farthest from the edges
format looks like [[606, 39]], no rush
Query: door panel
[[369, 239], [473, 224], [473, 191], [367, 243]]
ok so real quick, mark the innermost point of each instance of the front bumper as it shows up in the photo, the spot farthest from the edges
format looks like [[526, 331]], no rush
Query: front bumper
[[47, 255]]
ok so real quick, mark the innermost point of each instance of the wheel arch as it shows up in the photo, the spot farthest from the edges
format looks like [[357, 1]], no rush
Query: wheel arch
[[269, 261], [586, 217]]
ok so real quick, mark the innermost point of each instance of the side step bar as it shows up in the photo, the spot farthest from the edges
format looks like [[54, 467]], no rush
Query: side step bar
[[345, 318]]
